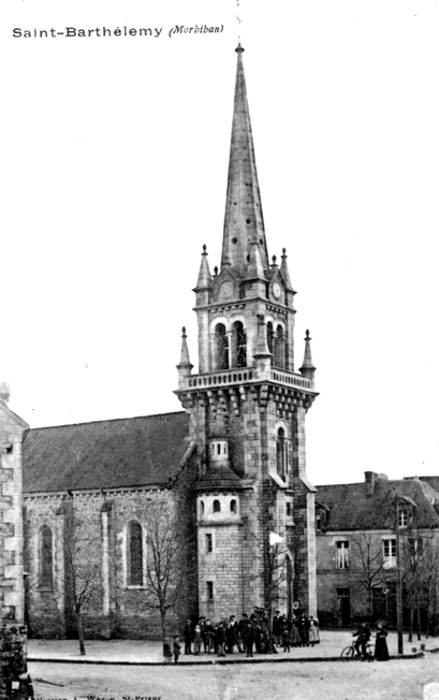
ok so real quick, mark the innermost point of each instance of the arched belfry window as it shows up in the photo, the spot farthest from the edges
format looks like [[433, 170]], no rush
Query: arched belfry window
[[279, 351], [221, 347], [281, 453], [239, 345], [270, 337], [135, 554], [46, 557]]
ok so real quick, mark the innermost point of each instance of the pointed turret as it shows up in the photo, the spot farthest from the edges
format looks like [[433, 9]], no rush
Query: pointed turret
[[184, 366], [308, 369], [204, 280], [243, 222], [285, 272]]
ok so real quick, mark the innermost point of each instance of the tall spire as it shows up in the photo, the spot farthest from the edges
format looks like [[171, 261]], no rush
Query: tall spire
[[243, 221]]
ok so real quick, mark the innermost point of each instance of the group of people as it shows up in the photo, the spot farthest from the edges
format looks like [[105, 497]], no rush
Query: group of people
[[363, 635], [250, 633]]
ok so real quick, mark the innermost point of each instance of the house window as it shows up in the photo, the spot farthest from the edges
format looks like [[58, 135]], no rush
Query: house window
[[46, 557], [209, 543], [318, 520], [209, 590], [416, 546], [389, 552], [201, 508], [403, 518], [135, 554], [344, 606], [342, 554], [216, 506]]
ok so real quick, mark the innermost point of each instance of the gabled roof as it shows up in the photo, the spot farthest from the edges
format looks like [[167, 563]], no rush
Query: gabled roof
[[350, 508], [105, 454]]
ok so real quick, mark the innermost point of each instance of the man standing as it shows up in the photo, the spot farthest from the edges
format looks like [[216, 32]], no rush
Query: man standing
[[363, 636], [188, 637]]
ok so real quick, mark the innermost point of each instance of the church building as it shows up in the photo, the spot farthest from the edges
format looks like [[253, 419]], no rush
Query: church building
[[230, 469]]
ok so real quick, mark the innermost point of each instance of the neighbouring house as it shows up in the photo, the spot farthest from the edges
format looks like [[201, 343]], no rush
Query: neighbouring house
[[363, 530]]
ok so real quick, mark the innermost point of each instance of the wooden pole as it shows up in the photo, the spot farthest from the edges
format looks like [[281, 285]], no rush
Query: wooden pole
[[399, 607]]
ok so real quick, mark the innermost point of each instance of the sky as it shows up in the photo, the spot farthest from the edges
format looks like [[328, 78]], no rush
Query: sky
[[113, 176]]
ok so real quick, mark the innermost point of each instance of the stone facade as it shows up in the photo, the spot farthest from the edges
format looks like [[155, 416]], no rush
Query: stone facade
[[95, 526], [365, 532], [12, 429], [13, 633]]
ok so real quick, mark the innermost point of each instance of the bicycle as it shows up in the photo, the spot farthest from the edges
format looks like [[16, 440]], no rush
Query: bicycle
[[350, 652]]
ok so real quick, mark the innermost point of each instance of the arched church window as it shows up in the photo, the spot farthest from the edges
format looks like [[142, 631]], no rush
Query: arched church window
[[135, 554], [270, 337], [202, 507], [216, 506], [281, 453], [239, 345], [221, 347], [233, 506], [279, 348], [46, 557]]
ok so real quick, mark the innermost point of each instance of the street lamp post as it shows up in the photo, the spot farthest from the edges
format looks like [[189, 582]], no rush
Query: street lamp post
[[399, 608]]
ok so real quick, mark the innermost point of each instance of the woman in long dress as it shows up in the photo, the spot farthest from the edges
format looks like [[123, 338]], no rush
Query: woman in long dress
[[381, 650], [314, 637]]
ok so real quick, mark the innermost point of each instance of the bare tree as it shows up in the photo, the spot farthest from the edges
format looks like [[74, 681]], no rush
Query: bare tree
[[79, 572], [371, 572], [420, 561], [164, 575]]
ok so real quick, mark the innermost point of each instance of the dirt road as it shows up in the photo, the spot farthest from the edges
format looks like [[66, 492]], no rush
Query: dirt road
[[398, 679]]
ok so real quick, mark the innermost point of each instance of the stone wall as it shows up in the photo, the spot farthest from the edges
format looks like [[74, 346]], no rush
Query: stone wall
[[95, 526], [11, 527]]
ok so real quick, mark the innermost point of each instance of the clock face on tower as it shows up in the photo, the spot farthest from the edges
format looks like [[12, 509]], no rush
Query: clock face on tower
[[226, 289], [276, 290]]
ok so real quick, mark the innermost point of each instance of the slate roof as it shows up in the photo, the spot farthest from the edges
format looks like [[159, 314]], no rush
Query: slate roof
[[350, 508], [105, 454], [218, 478]]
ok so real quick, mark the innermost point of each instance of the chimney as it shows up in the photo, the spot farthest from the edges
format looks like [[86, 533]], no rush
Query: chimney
[[370, 478], [5, 392]]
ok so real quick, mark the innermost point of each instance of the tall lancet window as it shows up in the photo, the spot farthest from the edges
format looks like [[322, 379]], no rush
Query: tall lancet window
[[221, 347], [270, 337], [135, 554], [279, 352], [239, 345], [281, 453], [46, 557]]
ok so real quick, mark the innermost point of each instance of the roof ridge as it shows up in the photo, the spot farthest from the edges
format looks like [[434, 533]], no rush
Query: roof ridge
[[107, 420]]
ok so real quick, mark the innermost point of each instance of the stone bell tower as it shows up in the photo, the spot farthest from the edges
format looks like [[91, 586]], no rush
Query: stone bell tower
[[247, 408]]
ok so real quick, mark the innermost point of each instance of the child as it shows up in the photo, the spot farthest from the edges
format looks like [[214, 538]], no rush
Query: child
[[286, 639], [176, 648], [197, 640]]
